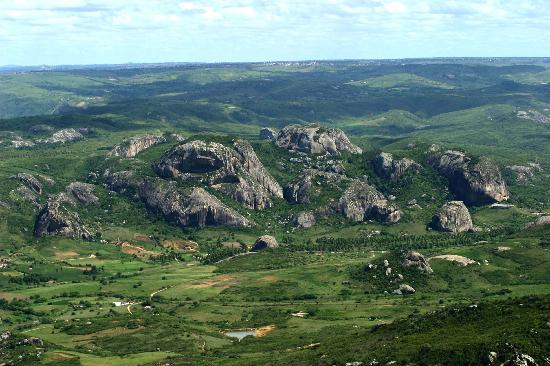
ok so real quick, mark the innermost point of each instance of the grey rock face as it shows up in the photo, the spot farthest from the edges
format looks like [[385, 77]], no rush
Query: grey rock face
[[362, 201], [453, 217], [304, 220], [56, 218], [475, 183], [301, 189], [297, 191], [265, 242], [388, 167], [82, 193], [133, 146], [195, 208], [315, 140], [119, 182], [417, 260], [267, 133], [235, 171], [249, 194], [29, 181]]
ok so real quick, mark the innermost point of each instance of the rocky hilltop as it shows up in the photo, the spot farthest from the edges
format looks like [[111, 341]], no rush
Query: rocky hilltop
[[315, 140], [453, 217], [235, 171], [58, 216], [133, 146], [195, 207], [474, 182], [362, 201], [388, 167]]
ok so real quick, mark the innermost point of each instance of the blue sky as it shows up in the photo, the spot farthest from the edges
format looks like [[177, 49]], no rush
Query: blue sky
[[51, 32]]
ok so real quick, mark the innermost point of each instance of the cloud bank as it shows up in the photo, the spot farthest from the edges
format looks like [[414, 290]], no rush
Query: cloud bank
[[106, 31]]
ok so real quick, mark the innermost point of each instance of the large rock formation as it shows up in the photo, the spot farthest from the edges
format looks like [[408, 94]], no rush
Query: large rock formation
[[315, 140], [388, 167], [29, 181], [236, 171], [267, 133], [265, 242], [301, 189], [524, 173], [57, 218], [304, 220], [297, 191], [474, 182], [81, 193], [187, 208], [362, 201], [121, 181], [133, 146], [453, 217], [64, 136], [417, 260]]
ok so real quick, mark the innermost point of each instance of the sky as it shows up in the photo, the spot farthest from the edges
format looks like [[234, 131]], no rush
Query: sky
[[54, 32]]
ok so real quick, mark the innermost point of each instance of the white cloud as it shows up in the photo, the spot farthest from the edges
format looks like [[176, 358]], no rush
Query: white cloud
[[260, 29], [395, 7]]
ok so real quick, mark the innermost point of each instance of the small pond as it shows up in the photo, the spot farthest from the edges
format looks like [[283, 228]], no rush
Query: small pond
[[240, 334]]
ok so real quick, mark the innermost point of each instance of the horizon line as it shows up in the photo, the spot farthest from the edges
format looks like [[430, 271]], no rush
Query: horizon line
[[268, 61]]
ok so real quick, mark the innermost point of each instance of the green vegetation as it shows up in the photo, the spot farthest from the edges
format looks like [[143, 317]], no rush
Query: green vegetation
[[144, 291]]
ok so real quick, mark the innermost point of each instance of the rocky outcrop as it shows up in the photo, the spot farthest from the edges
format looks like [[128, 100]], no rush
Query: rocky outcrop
[[404, 289], [520, 359], [453, 217], [308, 184], [297, 191], [362, 201], [236, 171], [265, 242], [133, 146], [121, 181], [82, 193], [304, 220], [57, 218], [541, 221], [267, 133], [19, 143], [474, 182], [247, 193], [64, 136], [187, 208], [315, 140], [388, 167], [416, 260], [524, 173], [29, 181]]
